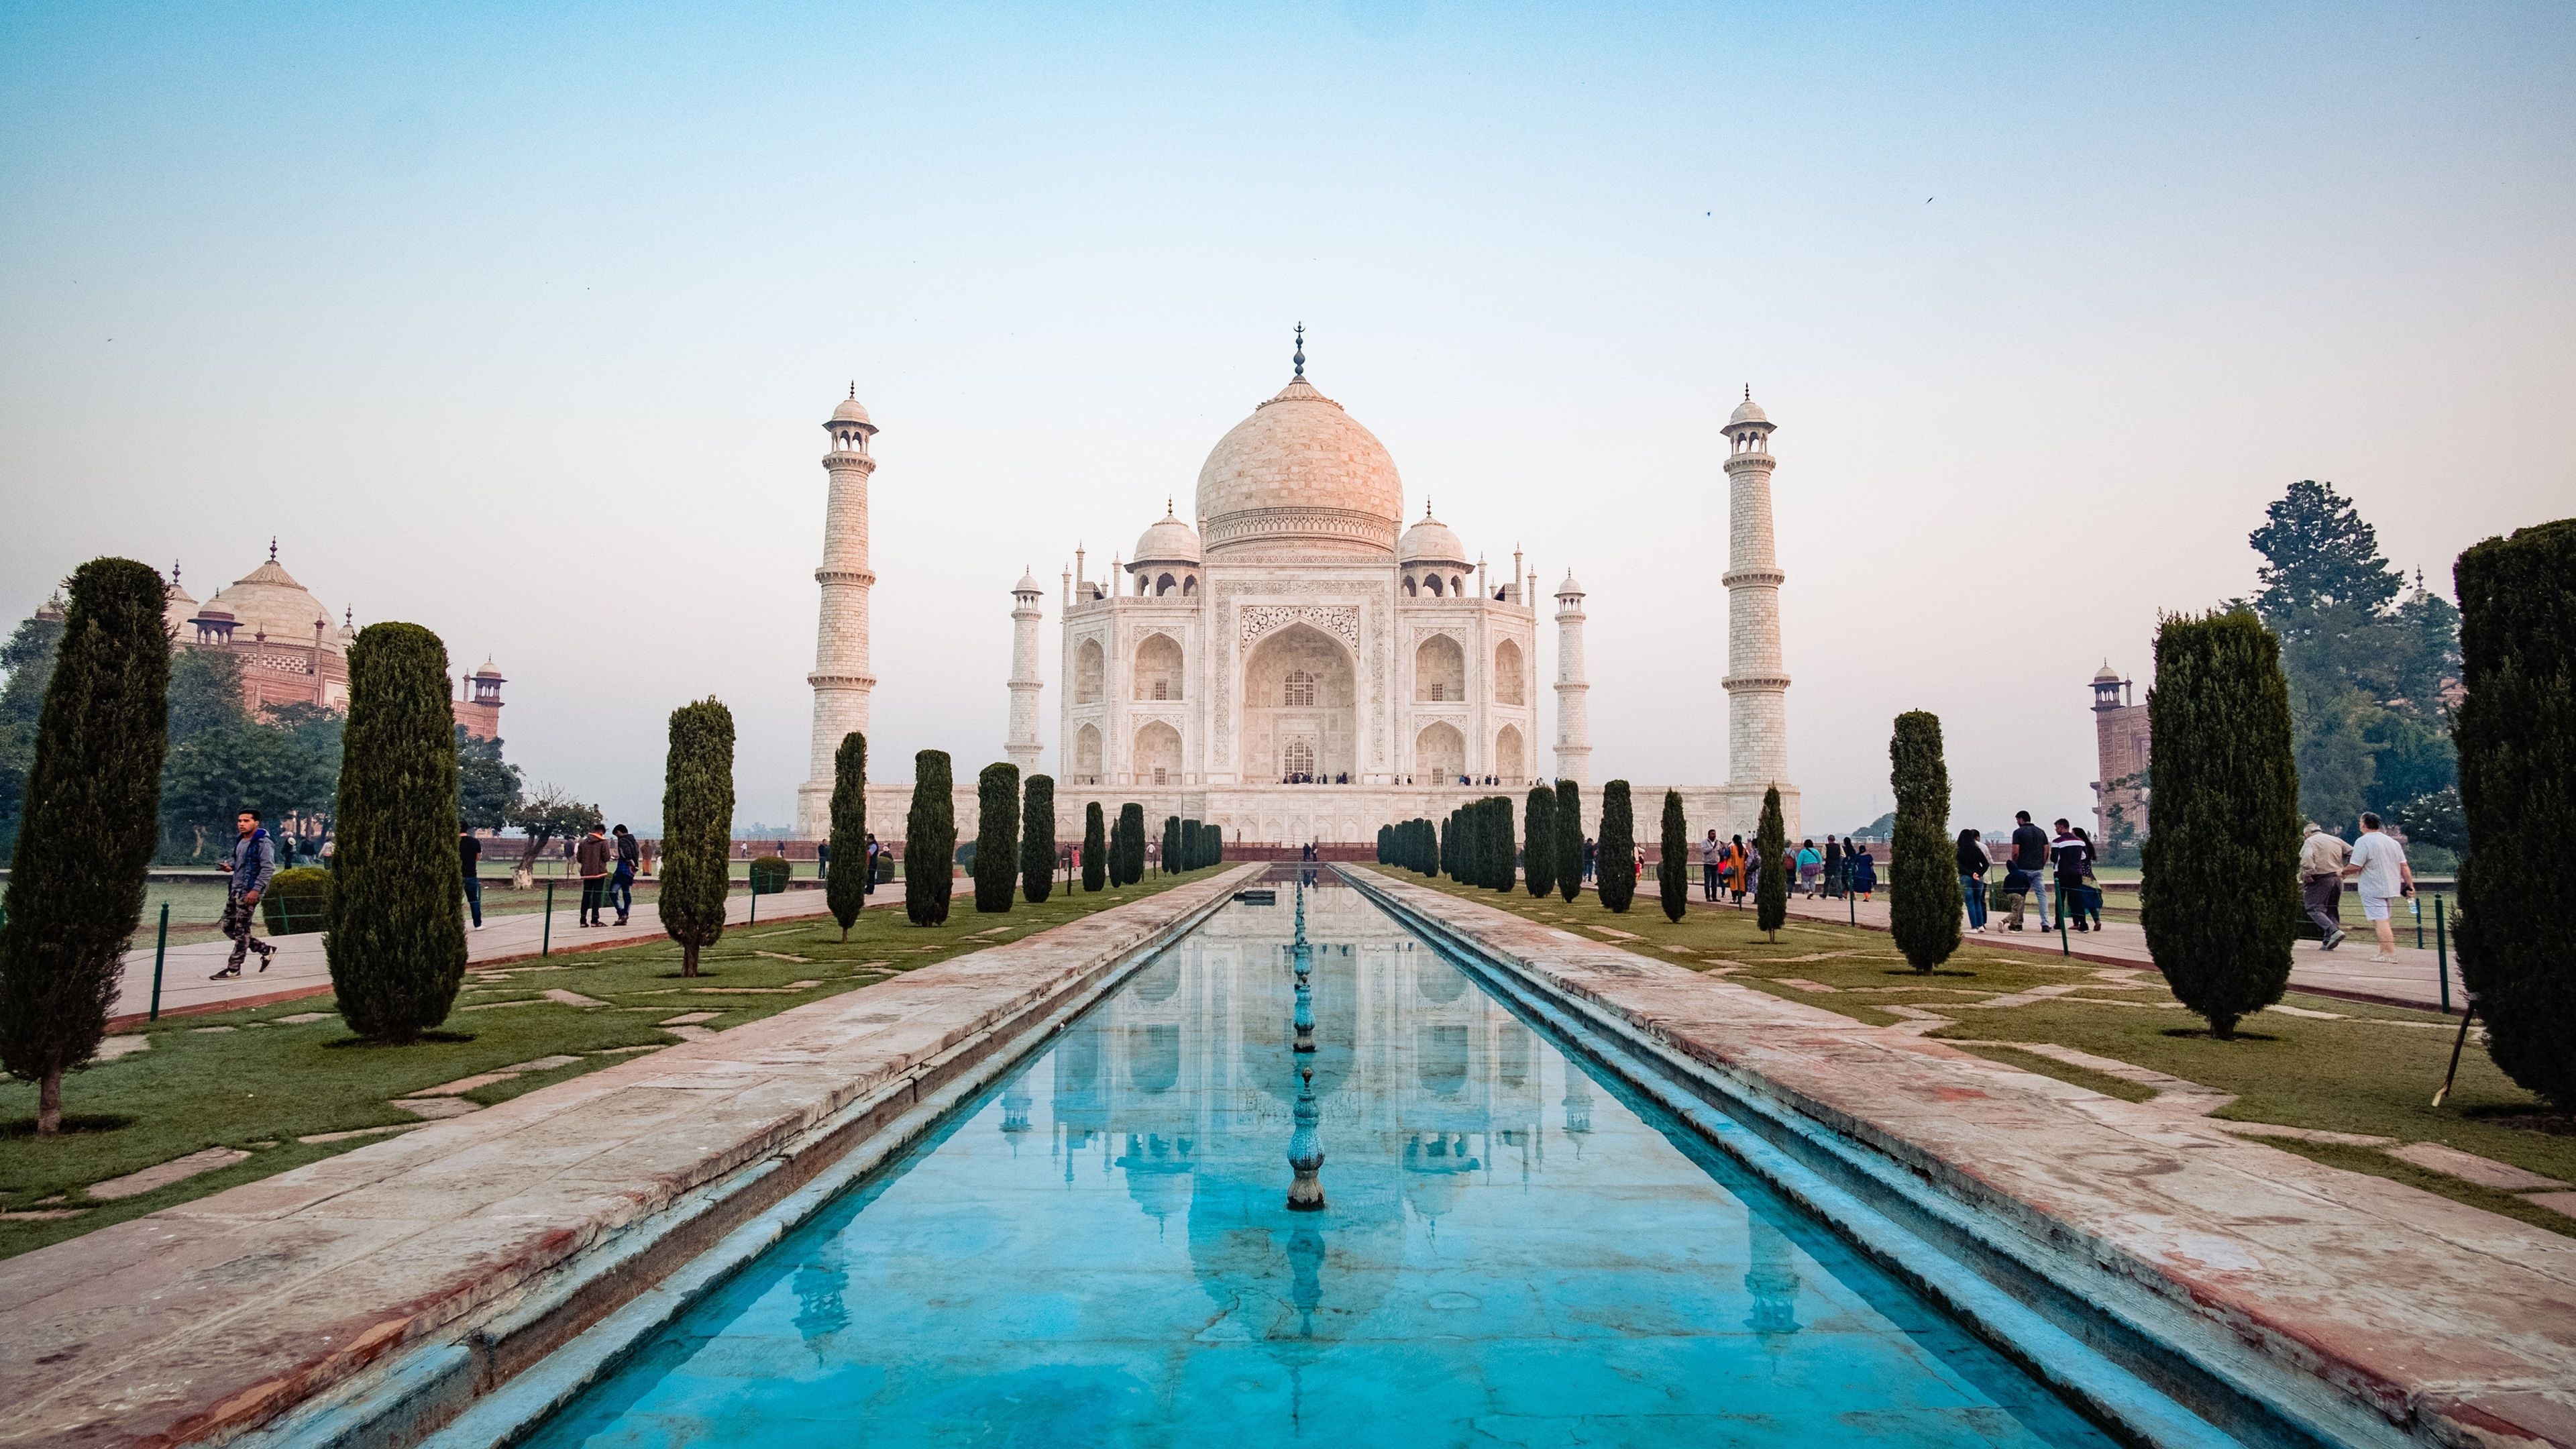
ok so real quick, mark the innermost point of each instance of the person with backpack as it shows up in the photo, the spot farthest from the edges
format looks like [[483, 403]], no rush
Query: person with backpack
[[2088, 888], [2070, 858], [621, 881], [253, 862]]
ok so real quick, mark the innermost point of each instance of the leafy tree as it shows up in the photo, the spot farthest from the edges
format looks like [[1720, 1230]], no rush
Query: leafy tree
[[552, 812], [76, 887], [2221, 894], [846, 890], [1131, 848], [1569, 839], [397, 939], [1922, 867], [2518, 789], [1883, 828], [1538, 846], [487, 788], [2317, 554], [997, 836], [28, 658], [929, 840], [1037, 840], [1095, 849], [1770, 844], [248, 766], [205, 693], [1672, 877], [1615, 867], [697, 828]]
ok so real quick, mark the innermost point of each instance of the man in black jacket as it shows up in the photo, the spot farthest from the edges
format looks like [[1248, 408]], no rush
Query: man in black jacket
[[2030, 857]]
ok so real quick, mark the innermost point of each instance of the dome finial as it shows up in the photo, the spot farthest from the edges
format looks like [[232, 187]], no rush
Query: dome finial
[[1300, 357], [272, 548], [854, 390], [1748, 392]]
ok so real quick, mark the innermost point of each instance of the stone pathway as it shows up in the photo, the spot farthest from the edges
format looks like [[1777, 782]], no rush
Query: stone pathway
[[2346, 971], [299, 968]]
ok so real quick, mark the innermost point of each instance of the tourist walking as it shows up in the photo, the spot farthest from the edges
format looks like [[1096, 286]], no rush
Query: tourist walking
[[591, 858], [2088, 891], [1712, 862], [253, 861], [1833, 867], [2322, 854], [868, 887], [1861, 870], [469, 855], [1591, 858], [2385, 878], [2069, 857], [1973, 864], [2030, 857], [1737, 864], [621, 881], [1811, 868]]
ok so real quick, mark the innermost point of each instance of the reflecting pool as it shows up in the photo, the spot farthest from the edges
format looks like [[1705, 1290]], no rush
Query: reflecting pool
[[1508, 1251]]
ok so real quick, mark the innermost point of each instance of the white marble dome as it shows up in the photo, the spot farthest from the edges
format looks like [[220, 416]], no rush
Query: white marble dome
[[1431, 541], [269, 600], [1300, 476], [1170, 541], [851, 412], [1747, 411]]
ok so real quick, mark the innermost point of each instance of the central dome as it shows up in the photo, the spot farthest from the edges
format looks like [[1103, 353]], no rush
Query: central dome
[[1300, 474]]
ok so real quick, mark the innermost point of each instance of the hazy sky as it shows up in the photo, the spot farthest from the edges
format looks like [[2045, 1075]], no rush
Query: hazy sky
[[519, 322]]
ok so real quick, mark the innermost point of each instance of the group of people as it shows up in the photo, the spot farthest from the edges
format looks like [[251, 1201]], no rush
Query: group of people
[[1730, 868], [2377, 859], [2030, 859]]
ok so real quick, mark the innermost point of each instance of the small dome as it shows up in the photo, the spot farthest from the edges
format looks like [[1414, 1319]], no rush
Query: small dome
[[2108, 675], [1028, 583], [850, 411], [1170, 541], [1431, 541], [1569, 586], [1747, 411]]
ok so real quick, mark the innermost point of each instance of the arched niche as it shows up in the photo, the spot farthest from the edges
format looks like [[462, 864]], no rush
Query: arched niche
[[1439, 753], [1158, 668], [1439, 670], [1090, 669], [1086, 753], [1158, 755], [1511, 755], [1300, 685], [1508, 686]]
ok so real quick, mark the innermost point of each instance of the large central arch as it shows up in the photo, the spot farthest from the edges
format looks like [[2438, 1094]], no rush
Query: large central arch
[[1300, 695]]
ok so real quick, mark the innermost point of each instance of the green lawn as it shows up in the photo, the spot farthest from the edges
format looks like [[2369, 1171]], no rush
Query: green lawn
[[247, 1080], [2347, 1067]]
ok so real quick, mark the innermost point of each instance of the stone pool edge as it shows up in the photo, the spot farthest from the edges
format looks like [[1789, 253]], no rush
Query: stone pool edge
[[2079, 1188], [369, 1298]]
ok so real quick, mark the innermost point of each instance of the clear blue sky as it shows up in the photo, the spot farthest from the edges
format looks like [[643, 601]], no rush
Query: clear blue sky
[[518, 322]]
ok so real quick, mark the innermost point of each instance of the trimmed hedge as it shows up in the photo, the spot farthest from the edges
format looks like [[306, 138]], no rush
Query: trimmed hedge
[[770, 874], [298, 902], [929, 841], [397, 940]]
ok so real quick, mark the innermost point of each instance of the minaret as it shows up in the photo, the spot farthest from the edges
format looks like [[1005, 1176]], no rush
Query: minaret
[[1021, 748], [1573, 718], [841, 680], [1757, 753]]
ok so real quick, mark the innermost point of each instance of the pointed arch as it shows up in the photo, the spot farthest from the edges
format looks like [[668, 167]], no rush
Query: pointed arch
[[1090, 669], [1508, 672], [1511, 755], [1158, 668], [1440, 753], [1439, 670]]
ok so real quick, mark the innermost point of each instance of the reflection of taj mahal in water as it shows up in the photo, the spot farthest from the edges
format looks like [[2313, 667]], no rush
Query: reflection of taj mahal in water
[[1300, 663]]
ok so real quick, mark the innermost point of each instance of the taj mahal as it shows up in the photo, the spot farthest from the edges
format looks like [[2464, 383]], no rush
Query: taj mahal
[[1300, 660]]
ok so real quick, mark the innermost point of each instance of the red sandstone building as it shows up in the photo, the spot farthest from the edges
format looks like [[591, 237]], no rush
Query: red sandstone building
[[2120, 742], [291, 652]]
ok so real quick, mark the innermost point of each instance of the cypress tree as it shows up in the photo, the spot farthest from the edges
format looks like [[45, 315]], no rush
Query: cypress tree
[[1569, 839], [1922, 867], [1131, 853], [2517, 740], [1506, 850], [1538, 849], [2221, 892], [1037, 840], [1173, 859], [847, 888], [1615, 868], [1471, 844], [1447, 828], [1672, 877], [397, 940], [997, 836], [929, 840], [1770, 843], [1381, 844], [1194, 845], [91, 819], [697, 828], [1095, 850]]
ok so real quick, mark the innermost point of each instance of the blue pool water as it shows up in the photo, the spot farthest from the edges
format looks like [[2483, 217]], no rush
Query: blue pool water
[[1510, 1252]]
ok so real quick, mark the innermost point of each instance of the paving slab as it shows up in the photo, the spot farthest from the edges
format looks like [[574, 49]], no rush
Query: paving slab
[[201, 1320], [2450, 1324], [177, 1169], [2469, 1167]]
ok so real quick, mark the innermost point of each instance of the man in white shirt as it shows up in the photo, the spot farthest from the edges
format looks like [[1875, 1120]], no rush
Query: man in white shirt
[[2385, 878], [2321, 860]]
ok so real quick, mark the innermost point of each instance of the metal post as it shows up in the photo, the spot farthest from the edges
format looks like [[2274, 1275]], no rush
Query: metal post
[[160, 949], [755, 902], [2416, 905], [2064, 947], [2442, 955], [546, 934]]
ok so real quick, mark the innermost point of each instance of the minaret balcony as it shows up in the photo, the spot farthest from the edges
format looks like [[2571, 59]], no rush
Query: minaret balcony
[[1758, 683], [844, 576], [1764, 578], [1741, 462]]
